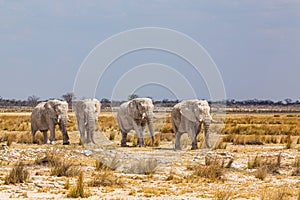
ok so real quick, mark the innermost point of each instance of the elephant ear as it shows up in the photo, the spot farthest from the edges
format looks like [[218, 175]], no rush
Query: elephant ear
[[97, 107], [189, 111], [50, 109], [133, 109]]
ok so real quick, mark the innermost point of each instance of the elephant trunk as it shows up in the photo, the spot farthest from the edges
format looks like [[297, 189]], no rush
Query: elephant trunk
[[90, 132], [206, 133], [150, 125], [63, 127]]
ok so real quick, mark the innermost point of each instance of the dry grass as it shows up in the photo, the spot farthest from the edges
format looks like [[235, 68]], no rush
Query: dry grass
[[259, 124], [224, 194], [296, 165], [275, 194], [213, 169], [58, 165], [18, 174], [261, 172], [79, 190], [264, 165], [105, 178]]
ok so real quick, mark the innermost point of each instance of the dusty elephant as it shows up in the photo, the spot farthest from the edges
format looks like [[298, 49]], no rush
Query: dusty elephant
[[46, 115], [188, 117], [134, 115], [87, 112]]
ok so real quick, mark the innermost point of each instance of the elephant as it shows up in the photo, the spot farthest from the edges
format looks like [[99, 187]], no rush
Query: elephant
[[188, 117], [134, 115], [46, 115], [87, 112]]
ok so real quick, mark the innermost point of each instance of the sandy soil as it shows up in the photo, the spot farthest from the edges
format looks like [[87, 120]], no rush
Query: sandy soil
[[237, 182]]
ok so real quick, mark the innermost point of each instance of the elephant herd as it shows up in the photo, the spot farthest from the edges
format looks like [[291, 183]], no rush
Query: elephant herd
[[187, 117]]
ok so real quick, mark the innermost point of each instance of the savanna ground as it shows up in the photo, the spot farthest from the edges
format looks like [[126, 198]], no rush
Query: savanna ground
[[256, 156]]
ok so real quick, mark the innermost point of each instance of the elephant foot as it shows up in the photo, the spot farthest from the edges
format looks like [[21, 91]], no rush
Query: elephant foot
[[66, 143], [152, 138], [194, 148], [141, 142], [124, 145]]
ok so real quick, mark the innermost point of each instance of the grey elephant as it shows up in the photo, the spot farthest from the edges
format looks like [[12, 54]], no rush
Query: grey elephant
[[134, 115], [188, 117], [87, 112], [46, 115]]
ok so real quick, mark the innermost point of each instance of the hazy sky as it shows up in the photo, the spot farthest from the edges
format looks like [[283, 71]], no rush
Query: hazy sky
[[255, 44]]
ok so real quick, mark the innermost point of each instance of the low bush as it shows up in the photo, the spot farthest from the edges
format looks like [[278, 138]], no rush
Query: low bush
[[18, 174]]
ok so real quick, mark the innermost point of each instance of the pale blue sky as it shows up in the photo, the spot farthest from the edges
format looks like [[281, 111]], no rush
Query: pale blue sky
[[254, 43]]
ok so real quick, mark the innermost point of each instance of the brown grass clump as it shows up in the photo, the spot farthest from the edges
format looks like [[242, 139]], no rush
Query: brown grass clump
[[275, 194], [288, 142], [264, 165], [220, 145], [296, 165], [167, 128], [18, 174], [211, 172], [58, 166], [224, 194], [213, 169], [79, 190], [261, 173], [105, 178]]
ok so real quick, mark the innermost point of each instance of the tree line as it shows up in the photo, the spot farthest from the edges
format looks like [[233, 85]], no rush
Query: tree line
[[33, 100]]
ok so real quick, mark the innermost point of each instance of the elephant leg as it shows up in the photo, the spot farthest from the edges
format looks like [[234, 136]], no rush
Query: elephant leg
[[194, 142], [81, 132], [124, 137], [193, 134], [177, 140], [150, 127], [88, 134], [206, 134], [45, 136], [64, 134], [52, 134], [92, 137], [33, 132], [138, 130]]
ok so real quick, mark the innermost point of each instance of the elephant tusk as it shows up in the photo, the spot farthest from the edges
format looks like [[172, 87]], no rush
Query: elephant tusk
[[214, 121]]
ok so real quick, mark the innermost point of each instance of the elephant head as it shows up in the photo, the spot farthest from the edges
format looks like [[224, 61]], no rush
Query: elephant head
[[57, 111], [196, 111], [141, 109]]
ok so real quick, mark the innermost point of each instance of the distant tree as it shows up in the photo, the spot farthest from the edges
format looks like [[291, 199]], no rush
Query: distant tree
[[165, 100], [105, 103], [288, 101], [132, 96], [68, 97], [32, 100]]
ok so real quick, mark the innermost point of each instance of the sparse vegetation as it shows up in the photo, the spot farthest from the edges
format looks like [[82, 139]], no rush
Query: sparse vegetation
[[296, 165], [105, 178], [58, 166], [79, 190], [275, 131], [265, 165], [18, 174]]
